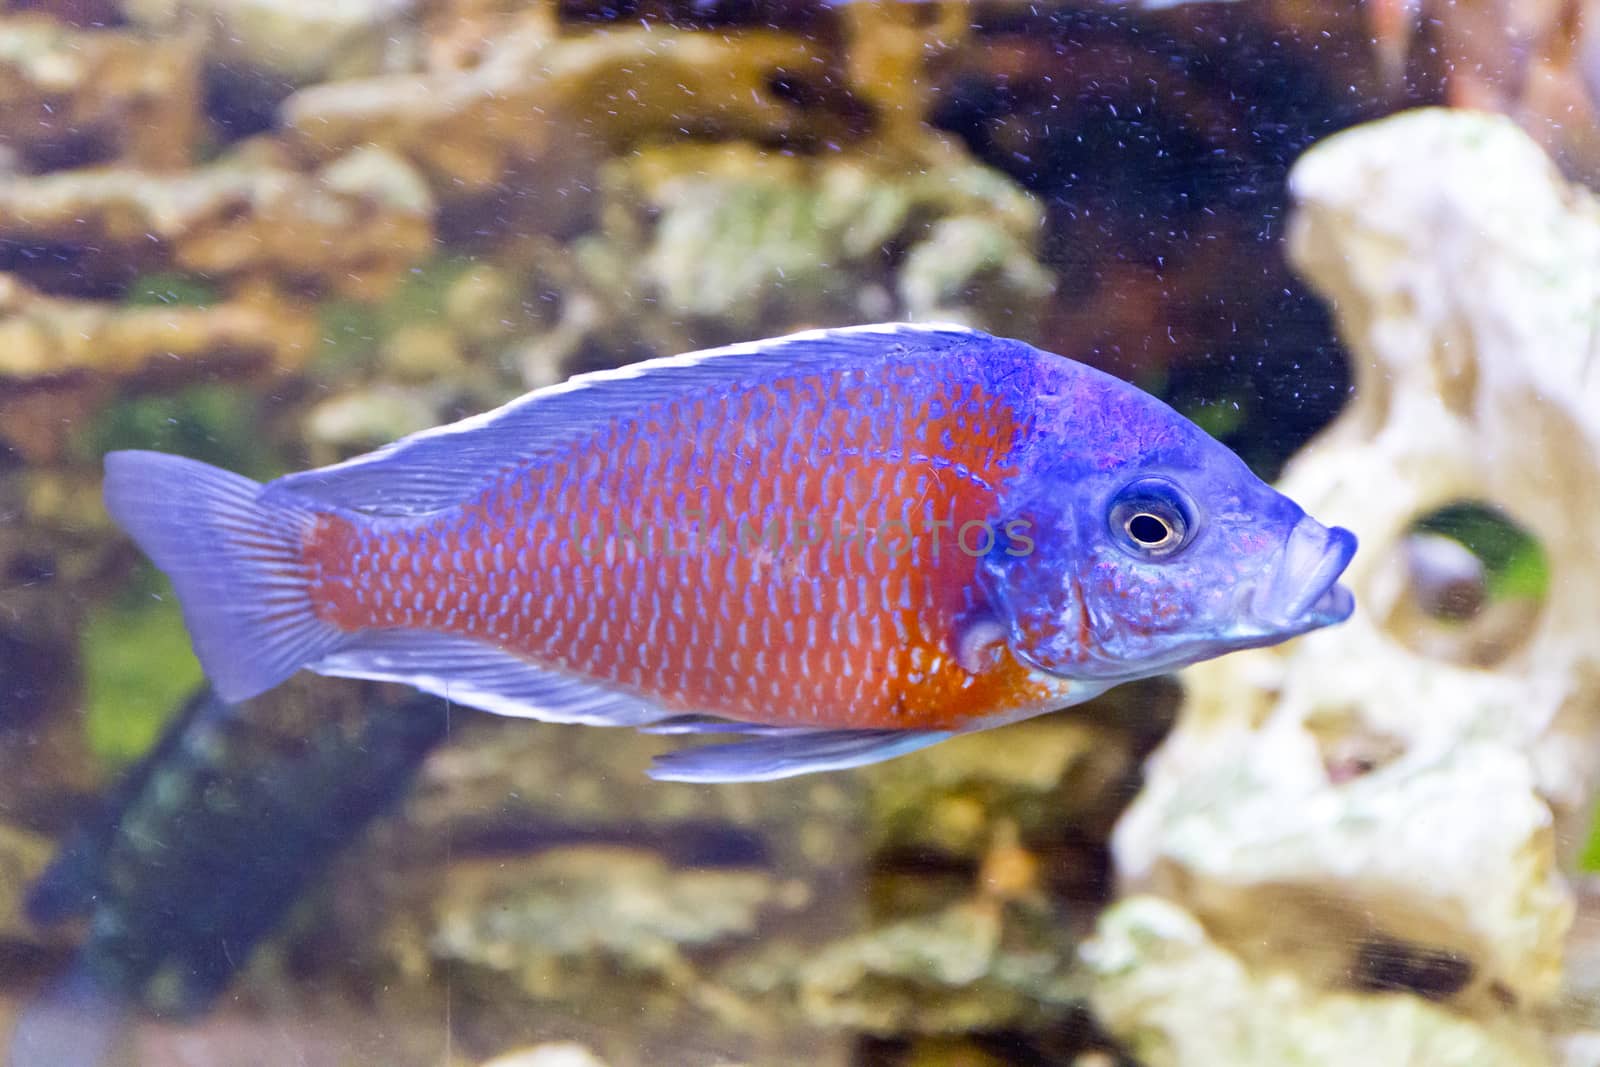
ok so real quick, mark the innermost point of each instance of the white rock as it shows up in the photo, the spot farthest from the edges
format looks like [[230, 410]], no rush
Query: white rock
[[1344, 787], [1179, 1000], [299, 41]]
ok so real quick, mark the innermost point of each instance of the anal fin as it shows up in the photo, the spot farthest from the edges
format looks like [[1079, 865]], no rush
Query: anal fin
[[784, 753], [710, 724], [480, 675]]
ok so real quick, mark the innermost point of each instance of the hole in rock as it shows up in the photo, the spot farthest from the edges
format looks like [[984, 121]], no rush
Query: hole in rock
[[1472, 583], [1351, 748], [1384, 964]]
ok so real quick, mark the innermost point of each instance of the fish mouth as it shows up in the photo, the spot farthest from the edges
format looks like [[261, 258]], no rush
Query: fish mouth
[[1303, 591]]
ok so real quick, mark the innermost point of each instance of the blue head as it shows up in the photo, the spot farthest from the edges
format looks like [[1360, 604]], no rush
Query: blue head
[[1152, 545]]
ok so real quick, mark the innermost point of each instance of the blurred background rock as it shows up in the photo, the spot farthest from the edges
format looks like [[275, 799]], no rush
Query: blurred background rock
[[273, 233]]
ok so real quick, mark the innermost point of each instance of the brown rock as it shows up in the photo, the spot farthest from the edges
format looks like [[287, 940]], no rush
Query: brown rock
[[350, 229], [534, 94], [70, 97], [45, 337]]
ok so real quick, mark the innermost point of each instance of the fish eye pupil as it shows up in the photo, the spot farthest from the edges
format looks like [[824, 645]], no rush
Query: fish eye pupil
[[1148, 529]]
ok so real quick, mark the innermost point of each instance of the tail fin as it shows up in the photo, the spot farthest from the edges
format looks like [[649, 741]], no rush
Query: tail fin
[[235, 562]]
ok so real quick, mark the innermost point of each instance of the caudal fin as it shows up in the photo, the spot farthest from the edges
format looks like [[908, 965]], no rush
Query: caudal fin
[[235, 562]]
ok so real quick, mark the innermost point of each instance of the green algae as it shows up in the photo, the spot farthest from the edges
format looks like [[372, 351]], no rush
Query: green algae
[[349, 333], [421, 295], [215, 423], [170, 289], [1221, 418], [352, 331], [1515, 564], [137, 669], [1589, 858]]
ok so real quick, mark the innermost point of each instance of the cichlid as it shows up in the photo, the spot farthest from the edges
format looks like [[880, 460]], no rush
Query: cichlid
[[844, 544]]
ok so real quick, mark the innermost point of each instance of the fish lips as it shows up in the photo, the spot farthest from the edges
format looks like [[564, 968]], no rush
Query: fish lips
[[1303, 592]]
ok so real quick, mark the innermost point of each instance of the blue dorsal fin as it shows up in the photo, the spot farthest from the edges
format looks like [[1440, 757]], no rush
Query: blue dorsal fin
[[784, 753], [482, 676], [441, 467]]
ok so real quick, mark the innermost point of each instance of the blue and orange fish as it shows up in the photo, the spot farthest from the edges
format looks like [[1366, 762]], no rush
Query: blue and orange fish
[[844, 544]]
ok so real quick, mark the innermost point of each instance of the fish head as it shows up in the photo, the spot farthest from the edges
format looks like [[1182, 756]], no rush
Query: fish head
[[1135, 553]]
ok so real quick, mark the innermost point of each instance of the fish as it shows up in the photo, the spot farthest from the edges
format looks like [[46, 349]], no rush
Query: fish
[[824, 549], [199, 851]]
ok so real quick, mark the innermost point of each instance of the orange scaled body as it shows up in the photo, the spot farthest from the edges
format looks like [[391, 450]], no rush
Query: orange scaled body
[[800, 552]]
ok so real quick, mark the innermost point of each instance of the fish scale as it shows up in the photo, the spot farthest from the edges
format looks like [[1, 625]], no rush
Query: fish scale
[[864, 463]]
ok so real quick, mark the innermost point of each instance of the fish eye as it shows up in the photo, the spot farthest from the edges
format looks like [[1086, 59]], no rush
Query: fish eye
[[1151, 518]]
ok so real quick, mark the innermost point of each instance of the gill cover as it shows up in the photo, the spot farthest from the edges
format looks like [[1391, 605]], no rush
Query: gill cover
[[1036, 595]]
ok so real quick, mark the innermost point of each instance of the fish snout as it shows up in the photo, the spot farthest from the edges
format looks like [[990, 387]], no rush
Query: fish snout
[[1302, 592]]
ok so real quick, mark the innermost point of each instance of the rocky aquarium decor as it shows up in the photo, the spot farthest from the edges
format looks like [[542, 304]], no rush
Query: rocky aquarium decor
[[1361, 845]]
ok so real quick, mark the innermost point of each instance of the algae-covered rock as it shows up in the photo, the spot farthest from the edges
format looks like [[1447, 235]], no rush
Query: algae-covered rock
[[888, 59], [70, 97], [1177, 998], [294, 41], [1049, 777], [540, 869], [669, 878], [350, 229], [569, 918], [44, 337], [745, 912], [363, 419], [968, 260], [534, 94], [66, 363], [972, 967], [505, 777], [747, 239], [422, 352], [483, 305]]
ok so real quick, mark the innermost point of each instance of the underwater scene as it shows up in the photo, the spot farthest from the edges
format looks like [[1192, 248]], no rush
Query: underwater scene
[[836, 533]]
